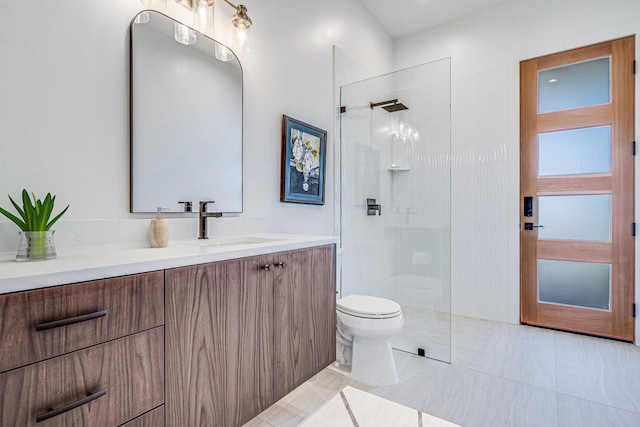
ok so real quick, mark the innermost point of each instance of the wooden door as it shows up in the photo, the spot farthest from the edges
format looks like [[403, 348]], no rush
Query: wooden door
[[304, 315], [577, 175], [219, 345]]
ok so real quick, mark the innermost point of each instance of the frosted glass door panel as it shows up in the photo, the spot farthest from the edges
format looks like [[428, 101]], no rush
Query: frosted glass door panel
[[585, 217], [574, 86], [583, 284], [576, 151]]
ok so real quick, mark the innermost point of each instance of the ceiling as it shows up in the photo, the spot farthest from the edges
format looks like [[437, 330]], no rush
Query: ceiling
[[404, 17]]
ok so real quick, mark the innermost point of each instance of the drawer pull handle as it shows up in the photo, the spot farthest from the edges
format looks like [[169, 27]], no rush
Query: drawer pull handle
[[267, 267], [61, 410], [282, 264], [70, 320]]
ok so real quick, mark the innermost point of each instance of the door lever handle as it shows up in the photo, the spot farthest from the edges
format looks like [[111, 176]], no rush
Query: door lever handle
[[530, 226]]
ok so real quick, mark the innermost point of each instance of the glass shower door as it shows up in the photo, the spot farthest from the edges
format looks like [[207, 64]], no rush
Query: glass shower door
[[395, 154]]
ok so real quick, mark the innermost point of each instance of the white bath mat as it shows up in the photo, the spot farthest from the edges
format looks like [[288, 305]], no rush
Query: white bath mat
[[355, 408]]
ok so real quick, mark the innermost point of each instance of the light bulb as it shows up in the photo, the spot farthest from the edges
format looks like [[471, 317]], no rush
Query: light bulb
[[241, 41], [203, 15]]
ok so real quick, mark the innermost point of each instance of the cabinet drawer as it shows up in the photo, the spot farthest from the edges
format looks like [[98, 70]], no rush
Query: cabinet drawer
[[130, 372], [113, 308]]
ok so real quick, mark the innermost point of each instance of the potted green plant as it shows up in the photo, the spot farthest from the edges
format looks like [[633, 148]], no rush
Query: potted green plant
[[35, 223]]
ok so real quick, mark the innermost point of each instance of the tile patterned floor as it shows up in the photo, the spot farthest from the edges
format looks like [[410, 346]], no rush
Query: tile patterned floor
[[500, 375], [356, 407]]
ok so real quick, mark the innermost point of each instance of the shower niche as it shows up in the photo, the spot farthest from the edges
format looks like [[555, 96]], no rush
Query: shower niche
[[395, 147], [401, 136], [401, 149]]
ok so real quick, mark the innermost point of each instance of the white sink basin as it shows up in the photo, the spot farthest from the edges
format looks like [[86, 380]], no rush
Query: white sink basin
[[229, 241]]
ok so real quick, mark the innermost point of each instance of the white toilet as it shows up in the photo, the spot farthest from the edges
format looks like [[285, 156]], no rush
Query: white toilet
[[365, 327]]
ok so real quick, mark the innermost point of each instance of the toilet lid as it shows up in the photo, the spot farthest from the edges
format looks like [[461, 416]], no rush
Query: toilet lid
[[366, 306]]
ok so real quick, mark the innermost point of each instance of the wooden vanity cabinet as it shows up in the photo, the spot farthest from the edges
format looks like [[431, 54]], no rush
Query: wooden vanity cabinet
[[241, 334], [205, 345]]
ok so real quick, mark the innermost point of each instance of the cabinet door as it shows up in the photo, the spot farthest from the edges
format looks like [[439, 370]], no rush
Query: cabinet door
[[304, 316], [219, 345]]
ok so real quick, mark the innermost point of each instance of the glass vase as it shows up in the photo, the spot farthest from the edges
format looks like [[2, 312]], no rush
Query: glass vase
[[36, 246]]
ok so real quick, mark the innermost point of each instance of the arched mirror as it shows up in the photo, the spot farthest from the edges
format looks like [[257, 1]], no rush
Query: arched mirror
[[186, 118]]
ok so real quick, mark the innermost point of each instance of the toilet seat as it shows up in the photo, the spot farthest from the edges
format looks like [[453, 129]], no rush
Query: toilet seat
[[368, 307]]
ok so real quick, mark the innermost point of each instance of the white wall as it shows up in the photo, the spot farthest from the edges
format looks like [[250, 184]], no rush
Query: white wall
[[292, 63], [486, 49], [64, 109]]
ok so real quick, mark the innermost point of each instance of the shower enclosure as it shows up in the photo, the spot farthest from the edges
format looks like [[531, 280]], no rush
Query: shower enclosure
[[395, 219]]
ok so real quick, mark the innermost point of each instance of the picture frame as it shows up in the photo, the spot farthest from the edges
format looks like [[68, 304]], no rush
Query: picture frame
[[302, 174]]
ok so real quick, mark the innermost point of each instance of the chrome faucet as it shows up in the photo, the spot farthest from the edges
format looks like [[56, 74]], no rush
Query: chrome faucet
[[202, 232]]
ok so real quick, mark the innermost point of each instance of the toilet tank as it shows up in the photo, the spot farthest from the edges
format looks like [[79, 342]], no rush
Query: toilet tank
[[375, 258]]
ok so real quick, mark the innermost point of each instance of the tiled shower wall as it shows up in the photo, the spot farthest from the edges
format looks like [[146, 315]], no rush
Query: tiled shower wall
[[479, 191], [478, 235]]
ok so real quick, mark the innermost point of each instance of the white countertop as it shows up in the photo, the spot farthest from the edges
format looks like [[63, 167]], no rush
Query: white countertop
[[98, 262]]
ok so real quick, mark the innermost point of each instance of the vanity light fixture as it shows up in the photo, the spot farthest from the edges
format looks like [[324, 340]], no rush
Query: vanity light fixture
[[203, 20], [242, 24]]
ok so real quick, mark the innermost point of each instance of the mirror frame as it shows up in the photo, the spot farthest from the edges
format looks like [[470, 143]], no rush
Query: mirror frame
[[131, 113]]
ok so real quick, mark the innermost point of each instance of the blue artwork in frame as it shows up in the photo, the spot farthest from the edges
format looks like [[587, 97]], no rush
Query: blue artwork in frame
[[303, 162]]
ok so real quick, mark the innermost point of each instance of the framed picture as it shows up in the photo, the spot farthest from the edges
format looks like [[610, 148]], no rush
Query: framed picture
[[303, 162]]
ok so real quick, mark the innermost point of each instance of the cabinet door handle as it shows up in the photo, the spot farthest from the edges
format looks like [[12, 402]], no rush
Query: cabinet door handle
[[267, 267], [282, 264], [70, 320], [61, 410]]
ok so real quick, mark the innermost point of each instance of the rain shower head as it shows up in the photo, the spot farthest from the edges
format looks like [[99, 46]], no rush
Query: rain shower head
[[390, 106], [398, 106]]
